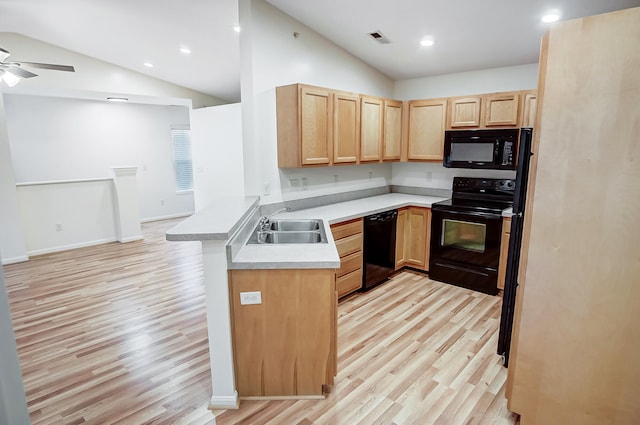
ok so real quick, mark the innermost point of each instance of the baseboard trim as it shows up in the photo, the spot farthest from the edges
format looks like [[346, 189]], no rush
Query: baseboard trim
[[14, 260], [166, 217], [225, 402], [131, 239], [70, 246]]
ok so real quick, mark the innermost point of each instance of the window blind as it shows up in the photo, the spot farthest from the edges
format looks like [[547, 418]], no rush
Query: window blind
[[183, 167]]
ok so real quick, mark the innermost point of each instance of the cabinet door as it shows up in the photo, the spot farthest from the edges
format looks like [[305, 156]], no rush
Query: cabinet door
[[346, 127], [315, 126], [279, 348], [530, 105], [504, 251], [426, 129], [371, 130], [464, 112], [501, 110], [392, 135], [416, 244], [400, 238]]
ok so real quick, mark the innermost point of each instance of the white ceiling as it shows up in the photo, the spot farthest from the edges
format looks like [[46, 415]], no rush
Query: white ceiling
[[470, 34]]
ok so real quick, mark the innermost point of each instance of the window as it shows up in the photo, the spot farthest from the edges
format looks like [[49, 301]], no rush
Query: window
[[181, 142]]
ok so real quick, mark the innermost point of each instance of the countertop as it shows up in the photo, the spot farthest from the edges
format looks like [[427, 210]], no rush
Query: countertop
[[224, 219], [216, 222], [321, 255]]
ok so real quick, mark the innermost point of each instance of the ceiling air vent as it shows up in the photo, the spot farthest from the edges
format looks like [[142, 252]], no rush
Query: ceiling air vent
[[379, 37]]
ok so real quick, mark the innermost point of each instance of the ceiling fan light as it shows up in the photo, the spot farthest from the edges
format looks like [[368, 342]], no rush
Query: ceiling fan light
[[10, 79]]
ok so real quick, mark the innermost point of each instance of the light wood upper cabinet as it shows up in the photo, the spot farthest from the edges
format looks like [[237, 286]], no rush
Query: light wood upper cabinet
[[426, 129], [392, 135], [529, 108], [371, 129], [315, 131], [346, 127], [323, 127], [464, 112], [501, 109], [304, 122], [486, 111]]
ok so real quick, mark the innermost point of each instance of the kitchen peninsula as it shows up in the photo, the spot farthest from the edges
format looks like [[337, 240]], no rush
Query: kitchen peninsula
[[223, 230]]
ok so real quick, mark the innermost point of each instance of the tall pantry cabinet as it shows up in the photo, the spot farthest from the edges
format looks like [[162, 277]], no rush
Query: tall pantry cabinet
[[575, 354]]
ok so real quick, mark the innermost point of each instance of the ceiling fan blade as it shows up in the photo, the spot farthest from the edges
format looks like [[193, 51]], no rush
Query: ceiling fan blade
[[67, 68], [4, 54], [19, 72]]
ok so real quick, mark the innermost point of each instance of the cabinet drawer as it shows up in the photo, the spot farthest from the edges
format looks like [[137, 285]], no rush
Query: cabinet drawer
[[350, 263], [340, 231], [349, 282], [349, 244]]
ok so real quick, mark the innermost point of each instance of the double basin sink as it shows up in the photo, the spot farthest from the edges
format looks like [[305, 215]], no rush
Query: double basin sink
[[277, 232]]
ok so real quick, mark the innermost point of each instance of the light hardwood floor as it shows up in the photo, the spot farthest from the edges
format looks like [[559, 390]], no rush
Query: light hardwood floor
[[117, 334]]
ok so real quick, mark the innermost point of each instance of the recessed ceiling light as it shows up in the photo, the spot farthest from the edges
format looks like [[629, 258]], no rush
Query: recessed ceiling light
[[236, 28], [148, 64], [551, 16], [185, 50], [117, 99], [427, 41]]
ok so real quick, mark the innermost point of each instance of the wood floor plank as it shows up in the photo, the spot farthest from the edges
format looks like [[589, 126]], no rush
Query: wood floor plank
[[116, 334]]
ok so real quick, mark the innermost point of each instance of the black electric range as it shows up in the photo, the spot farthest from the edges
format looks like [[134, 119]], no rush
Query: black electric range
[[466, 233]]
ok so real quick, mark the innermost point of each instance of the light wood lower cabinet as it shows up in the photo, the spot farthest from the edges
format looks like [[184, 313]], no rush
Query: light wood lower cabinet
[[349, 237], [504, 251], [401, 224], [413, 235], [287, 345]]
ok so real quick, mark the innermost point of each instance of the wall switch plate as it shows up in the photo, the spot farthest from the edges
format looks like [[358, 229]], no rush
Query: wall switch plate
[[248, 298]]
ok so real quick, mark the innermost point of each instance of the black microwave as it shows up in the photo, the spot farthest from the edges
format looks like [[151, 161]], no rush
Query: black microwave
[[485, 149]]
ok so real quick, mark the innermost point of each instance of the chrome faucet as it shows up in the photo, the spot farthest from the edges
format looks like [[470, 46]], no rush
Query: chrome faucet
[[265, 221]]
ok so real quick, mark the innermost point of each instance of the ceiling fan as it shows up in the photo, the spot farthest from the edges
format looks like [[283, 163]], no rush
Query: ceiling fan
[[11, 72]]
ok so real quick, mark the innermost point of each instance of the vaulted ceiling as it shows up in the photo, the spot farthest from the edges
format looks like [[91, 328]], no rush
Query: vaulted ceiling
[[468, 34]]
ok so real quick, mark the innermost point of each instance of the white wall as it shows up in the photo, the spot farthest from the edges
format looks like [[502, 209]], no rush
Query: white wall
[[91, 74], [68, 139], [522, 77], [11, 239], [271, 56], [216, 147], [85, 212]]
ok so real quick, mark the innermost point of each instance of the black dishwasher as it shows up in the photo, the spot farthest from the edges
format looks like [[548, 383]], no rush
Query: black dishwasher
[[379, 248]]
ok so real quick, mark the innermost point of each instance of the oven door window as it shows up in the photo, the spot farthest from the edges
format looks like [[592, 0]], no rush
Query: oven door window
[[464, 235]]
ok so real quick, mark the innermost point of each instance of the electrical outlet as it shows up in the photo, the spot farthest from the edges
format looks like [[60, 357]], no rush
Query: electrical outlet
[[58, 227], [248, 298]]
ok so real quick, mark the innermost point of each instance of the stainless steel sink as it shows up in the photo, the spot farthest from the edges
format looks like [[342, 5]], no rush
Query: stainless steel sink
[[295, 225], [292, 237], [280, 232]]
